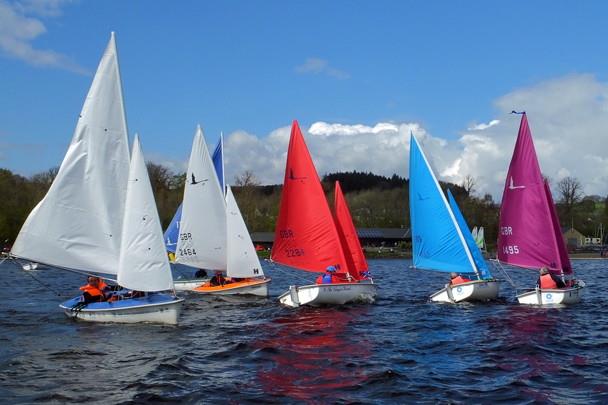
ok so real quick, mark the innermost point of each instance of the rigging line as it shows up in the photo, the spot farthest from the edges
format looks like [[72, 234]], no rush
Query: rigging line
[[498, 265], [29, 273], [290, 273]]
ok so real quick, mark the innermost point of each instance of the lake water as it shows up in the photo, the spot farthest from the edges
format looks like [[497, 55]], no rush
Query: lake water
[[402, 349]]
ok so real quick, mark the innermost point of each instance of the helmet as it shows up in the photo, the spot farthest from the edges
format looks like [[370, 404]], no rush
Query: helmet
[[331, 269]]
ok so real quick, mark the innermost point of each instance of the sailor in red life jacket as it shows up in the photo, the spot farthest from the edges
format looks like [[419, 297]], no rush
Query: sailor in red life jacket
[[328, 277], [93, 291], [547, 280], [456, 279]]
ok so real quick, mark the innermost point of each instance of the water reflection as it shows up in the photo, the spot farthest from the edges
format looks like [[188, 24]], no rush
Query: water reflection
[[314, 354]]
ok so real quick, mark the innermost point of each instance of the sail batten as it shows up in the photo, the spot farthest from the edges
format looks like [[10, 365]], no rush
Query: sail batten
[[78, 223], [437, 241], [527, 236], [305, 236]]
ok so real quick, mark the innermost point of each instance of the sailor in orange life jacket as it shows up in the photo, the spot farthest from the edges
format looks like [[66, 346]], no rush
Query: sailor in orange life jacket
[[547, 280], [455, 279], [93, 291], [328, 277]]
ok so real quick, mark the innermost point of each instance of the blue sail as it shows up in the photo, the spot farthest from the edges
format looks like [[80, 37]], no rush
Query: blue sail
[[172, 232], [437, 242], [482, 266]]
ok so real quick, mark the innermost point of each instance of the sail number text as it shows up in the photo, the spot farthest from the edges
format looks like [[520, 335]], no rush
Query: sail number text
[[510, 250], [187, 252], [185, 236], [506, 230], [294, 252], [286, 233]]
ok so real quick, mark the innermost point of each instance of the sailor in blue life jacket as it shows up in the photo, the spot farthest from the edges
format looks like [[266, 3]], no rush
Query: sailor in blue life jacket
[[328, 277]]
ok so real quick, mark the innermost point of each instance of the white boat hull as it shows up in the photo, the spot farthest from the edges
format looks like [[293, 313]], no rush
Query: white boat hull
[[563, 296], [157, 312], [477, 290], [329, 294], [189, 285]]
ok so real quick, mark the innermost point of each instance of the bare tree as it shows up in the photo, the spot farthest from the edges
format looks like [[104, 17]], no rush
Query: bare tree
[[246, 179], [570, 191], [469, 184]]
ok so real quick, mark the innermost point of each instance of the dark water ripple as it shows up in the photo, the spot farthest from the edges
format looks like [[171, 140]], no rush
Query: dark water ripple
[[402, 349]]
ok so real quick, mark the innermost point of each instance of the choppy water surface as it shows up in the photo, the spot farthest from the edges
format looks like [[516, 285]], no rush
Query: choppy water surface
[[401, 349]]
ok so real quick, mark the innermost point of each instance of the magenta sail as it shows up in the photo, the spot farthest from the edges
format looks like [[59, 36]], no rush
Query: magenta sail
[[529, 233]]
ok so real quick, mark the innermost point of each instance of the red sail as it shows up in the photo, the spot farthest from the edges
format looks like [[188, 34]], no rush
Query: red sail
[[305, 235], [348, 235]]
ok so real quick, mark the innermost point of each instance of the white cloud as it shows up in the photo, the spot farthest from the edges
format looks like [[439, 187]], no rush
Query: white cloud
[[18, 29], [321, 66], [568, 118], [482, 126]]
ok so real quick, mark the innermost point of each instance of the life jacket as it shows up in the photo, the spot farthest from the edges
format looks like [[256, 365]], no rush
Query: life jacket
[[93, 291], [327, 279], [459, 280], [546, 282]]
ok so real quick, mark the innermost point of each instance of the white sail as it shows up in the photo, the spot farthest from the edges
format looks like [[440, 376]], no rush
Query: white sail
[[143, 264], [474, 233], [481, 240], [242, 259], [202, 238], [78, 223]]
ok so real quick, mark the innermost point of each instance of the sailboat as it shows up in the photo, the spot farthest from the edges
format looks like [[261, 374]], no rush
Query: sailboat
[[212, 233], [530, 234], [478, 236], [307, 236], [440, 237], [99, 215], [172, 233]]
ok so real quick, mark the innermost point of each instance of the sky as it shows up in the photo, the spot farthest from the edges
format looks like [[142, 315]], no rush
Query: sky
[[359, 76]]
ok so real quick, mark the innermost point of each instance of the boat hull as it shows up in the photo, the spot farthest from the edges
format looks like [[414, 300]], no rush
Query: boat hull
[[189, 285], [329, 294], [154, 308], [562, 296], [477, 290], [257, 287]]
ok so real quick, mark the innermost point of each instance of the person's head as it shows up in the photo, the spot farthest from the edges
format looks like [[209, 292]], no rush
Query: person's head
[[453, 275], [92, 280], [544, 270], [330, 269]]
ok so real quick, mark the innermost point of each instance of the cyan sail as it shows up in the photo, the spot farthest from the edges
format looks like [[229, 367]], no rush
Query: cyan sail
[[482, 266], [437, 241], [172, 232]]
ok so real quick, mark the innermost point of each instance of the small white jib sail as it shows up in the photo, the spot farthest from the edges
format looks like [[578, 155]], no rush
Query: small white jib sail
[[78, 223], [202, 234], [242, 259], [143, 264]]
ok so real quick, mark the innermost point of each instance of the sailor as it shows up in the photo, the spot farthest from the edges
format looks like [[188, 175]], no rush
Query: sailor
[[217, 279], [456, 279], [328, 277], [547, 280], [93, 291]]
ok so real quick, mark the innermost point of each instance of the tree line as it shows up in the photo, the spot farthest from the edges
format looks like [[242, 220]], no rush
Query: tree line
[[375, 201]]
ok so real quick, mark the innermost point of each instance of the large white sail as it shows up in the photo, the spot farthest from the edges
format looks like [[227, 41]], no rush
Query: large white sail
[[202, 233], [242, 259], [78, 223], [143, 264]]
